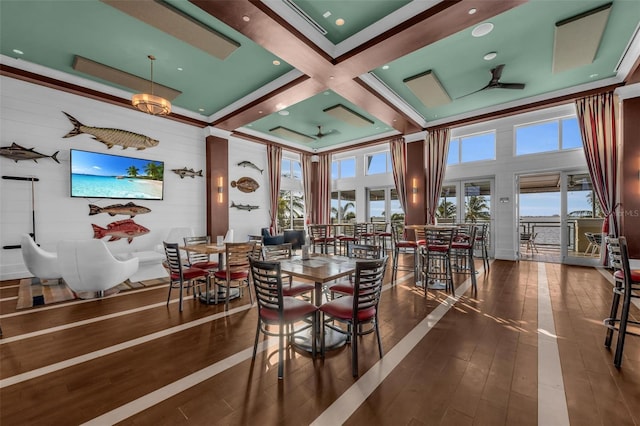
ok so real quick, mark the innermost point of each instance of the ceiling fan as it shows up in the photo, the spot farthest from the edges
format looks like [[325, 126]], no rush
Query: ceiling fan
[[322, 134], [495, 82]]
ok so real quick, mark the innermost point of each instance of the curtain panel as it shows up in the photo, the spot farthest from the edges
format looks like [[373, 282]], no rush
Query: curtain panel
[[274, 162], [398, 149], [597, 121], [437, 149], [307, 182], [323, 200]]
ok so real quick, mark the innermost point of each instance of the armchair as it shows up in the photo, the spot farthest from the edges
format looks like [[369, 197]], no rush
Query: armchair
[[89, 266], [271, 240], [40, 263]]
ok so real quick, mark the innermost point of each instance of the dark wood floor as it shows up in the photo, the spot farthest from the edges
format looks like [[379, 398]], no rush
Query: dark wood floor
[[146, 364]]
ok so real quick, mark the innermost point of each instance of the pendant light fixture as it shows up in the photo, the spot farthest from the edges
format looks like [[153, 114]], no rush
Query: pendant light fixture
[[150, 103]]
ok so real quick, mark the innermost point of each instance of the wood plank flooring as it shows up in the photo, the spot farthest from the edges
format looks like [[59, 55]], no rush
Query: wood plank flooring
[[473, 360]]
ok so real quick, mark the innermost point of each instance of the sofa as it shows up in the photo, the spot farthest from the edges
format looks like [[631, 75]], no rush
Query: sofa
[[271, 240]]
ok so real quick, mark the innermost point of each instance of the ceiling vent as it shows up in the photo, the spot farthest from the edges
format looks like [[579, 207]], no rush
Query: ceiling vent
[[428, 89], [174, 22], [121, 78], [343, 113], [304, 16], [291, 134], [577, 38]]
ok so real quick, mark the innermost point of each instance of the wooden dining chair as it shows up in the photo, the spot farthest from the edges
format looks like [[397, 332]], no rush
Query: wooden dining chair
[[235, 273], [180, 276], [359, 309], [276, 309]]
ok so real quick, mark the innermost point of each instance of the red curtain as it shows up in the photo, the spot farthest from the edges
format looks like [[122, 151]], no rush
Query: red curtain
[[597, 120], [437, 148], [398, 149], [274, 162]]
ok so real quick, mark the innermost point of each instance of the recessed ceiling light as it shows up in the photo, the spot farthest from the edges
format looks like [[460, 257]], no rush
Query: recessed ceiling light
[[283, 112], [385, 67], [593, 75], [246, 18], [180, 69], [339, 22], [326, 93], [482, 29], [201, 109], [276, 62], [18, 51], [472, 11], [326, 14], [330, 77], [489, 56], [260, 112]]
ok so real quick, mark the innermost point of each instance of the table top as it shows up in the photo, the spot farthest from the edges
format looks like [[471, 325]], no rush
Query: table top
[[319, 268], [205, 248]]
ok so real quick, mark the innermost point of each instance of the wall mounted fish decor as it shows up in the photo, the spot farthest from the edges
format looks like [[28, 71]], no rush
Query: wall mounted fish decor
[[247, 207], [19, 153], [245, 184], [250, 164], [130, 208], [187, 172], [121, 229], [111, 137]]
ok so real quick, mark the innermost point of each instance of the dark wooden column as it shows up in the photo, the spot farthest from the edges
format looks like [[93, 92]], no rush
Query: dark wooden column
[[416, 209], [217, 177], [630, 176]]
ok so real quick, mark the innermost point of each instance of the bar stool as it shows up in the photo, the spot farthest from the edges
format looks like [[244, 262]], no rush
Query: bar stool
[[627, 281], [482, 242], [404, 245], [365, 233], [347, 237], [320, 236], [382, 234], [436, 259], [462, 246]]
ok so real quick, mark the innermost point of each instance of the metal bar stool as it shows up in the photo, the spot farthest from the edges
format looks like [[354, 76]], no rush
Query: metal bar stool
[[627, 285], [400, 244], [436, 260], [462, 246]]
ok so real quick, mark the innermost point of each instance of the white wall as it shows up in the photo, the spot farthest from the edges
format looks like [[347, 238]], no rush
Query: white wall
[[31, 116]]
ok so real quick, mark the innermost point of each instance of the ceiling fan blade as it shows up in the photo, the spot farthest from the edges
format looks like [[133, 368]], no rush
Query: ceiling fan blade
[[496, 73], [510, 86]]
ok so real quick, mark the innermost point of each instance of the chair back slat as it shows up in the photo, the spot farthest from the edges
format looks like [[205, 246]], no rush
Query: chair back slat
[[267, 284], [438, 237], [364, 251], [237, 256], [276, 252], [368, 283], [193, 257], [173, 261]]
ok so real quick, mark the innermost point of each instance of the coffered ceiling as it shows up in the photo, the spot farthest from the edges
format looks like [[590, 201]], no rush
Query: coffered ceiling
[[321, 74]]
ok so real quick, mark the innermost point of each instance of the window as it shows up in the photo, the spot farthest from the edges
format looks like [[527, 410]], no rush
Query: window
[[378, 163], [344, 168], [291, 169], [291, 210], [343, 206], [384, 206], [548, 136], [466, 149], [447, 206]]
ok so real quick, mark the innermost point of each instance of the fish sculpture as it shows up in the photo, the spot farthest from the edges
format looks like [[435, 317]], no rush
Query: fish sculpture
[[121, 229], [187, 172], [18, 153], [245, 184], [247, 207], [111, 137], [130, 208], [250, 164]]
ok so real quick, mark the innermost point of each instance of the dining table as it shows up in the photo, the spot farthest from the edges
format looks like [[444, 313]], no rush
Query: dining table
[[321, 269], [212, 248]]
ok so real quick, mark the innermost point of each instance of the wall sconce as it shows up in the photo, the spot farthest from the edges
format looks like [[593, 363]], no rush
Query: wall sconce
[[414, 190], [220, 190]]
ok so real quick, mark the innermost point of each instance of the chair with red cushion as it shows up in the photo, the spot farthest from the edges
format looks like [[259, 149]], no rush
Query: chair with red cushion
[[199, 260], [359, 309], [180, 276], [435, 259], [348, 236], [400, 244], [319, 235], [627, 285], [382, 234], [356, 251], [462, 246], [290, 288], [276, 309], [235, 274], [482, 244]]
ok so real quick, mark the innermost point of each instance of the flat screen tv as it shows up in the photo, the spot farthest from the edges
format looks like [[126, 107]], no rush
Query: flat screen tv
[[97, 175]]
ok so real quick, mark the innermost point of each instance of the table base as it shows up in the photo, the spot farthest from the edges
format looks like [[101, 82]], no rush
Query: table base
[[210, 298], [332, 340]]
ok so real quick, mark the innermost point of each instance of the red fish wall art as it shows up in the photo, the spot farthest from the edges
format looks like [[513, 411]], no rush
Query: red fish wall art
[[121, 229]]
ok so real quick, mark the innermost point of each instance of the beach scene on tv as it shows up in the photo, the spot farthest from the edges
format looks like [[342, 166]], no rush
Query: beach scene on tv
[[95, 175]]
